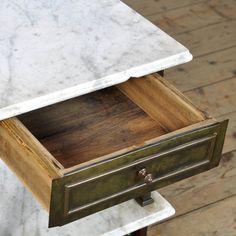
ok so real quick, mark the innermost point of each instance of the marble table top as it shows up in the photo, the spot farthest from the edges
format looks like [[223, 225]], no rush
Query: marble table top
[[51, 51], [20, 214]]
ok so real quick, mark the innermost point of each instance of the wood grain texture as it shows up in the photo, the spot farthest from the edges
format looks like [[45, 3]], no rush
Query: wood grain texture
[[149, 7], [230, 140], [214, 61], [204, 70], [91, 126], [211, 67], [194, 16], [28, 159], [216, 99], [205, 40], [227, 10], [217, 219], [104, 122], [162, 102], [203, 189], [202, 38]]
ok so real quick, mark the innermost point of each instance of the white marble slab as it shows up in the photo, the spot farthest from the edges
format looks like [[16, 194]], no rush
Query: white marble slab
[[20, 214], [51, 51]]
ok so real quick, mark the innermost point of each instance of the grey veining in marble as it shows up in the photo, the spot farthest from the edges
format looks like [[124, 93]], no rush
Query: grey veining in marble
[[51, 51], [20, 214]]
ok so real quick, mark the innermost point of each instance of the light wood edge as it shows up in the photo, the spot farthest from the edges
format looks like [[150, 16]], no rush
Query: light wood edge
[[180, 94], [162, 101], [28, 159], [201, 124]]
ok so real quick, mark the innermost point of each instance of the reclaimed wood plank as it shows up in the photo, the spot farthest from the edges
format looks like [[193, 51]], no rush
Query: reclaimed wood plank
[[209, 68], [194, 16], [216, 99], [214, 61], [218, 183], [226, 12], [209, 39], [205, 188], [217, 219], [230, 138], [149, 7], [219, 100], [204, 70]]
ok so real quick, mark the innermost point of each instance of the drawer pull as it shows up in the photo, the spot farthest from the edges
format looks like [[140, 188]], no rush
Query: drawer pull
[[142, 173], [145, 175], [148, 179]]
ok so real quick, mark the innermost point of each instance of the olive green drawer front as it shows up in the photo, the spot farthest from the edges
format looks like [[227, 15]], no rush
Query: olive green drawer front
[[108, 183]]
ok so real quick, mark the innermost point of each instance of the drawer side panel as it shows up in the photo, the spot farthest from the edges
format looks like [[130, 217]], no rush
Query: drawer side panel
[[27, 158]]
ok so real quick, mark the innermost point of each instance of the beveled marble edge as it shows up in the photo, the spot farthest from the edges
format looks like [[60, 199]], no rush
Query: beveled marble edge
[[156, 217], [21, 215], [91, 86]]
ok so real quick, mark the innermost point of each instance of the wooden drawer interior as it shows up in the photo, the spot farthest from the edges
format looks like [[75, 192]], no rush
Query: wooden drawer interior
[[91, 126], [53, 142], [111, 120]]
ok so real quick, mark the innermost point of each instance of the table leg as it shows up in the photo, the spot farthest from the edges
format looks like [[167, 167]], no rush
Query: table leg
[[145, 200], [140, 232]]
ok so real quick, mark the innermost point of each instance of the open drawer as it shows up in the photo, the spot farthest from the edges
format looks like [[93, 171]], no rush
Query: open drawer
[[89, 153]]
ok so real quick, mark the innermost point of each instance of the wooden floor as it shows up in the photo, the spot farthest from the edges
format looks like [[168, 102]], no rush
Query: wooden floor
[[205, 204]]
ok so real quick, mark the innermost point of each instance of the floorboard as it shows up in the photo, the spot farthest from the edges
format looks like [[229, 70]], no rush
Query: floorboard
[[202, 71], [206, 203], [210, 38], [218, 219], [216, 99], [176, 21], [200, 190], [149, 7], [230, 139]]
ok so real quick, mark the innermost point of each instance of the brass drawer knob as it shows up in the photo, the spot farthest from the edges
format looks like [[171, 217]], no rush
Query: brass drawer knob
[[142, 173], [148, 179], [145, 175]]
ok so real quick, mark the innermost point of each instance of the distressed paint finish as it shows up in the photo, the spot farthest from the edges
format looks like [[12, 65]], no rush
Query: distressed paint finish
[[114, 181]]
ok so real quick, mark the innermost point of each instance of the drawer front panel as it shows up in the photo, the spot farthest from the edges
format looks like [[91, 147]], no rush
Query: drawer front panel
[[179, 159], [75, 196]]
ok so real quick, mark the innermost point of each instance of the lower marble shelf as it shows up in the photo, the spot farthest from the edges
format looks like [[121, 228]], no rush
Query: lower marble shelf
[[20, 214]]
